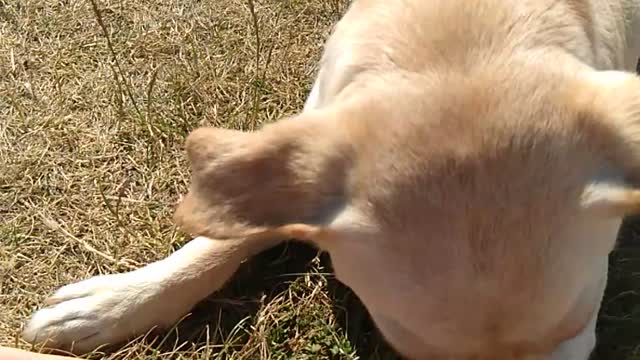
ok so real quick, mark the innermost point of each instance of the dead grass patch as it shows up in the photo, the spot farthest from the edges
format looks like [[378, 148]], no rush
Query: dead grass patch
[[92, 121]]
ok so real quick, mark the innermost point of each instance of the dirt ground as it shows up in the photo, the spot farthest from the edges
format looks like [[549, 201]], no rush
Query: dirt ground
[[94, 109]]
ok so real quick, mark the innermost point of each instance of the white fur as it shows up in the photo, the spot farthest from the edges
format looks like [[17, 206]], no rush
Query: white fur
[[313, 101], [582, 345], [108, 309]]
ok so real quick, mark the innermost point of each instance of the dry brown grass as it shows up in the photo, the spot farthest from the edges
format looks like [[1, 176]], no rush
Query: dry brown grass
[[92, 122]]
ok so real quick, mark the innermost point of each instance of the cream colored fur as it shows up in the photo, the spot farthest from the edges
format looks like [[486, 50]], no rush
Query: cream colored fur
[[466, 164]]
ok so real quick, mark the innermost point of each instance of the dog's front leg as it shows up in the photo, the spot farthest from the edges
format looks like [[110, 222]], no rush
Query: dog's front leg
[[582, 345], [108, 309]]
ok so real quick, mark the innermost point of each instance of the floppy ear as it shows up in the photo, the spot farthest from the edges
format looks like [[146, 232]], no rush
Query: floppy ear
[[611, 199], [287, 179], [613, 103]]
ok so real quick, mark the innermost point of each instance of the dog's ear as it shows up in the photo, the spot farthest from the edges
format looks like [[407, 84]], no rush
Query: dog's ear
[[287, 179], [611, 101], [611, 199]]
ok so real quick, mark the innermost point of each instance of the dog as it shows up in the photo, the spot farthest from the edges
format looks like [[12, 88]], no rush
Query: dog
[[465, 164]]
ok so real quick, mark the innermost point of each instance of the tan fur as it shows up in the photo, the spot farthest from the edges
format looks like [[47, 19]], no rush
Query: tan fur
[[298, 166], [466, 165]]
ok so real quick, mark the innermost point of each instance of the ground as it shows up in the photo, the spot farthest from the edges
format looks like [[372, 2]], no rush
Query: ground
[[95, 102]]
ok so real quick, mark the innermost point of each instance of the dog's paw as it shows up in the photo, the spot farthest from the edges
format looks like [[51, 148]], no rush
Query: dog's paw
[[100, 311]]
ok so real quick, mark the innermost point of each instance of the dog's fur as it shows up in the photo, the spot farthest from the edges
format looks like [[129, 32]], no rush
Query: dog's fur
[[466, 164]]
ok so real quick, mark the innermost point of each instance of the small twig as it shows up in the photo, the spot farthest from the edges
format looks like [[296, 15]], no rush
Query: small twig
[[96, 11], [152, 83], [119, 98], [254, 17], [55, 226], [256, 83], [270, 52], [114, 211], [259, 79]]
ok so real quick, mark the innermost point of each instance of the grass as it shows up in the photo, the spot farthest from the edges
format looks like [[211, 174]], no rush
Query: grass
[[95, 102]]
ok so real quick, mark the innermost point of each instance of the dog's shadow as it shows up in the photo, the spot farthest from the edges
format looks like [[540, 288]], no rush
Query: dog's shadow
[[268, 275], [619, 321], [259, 281]]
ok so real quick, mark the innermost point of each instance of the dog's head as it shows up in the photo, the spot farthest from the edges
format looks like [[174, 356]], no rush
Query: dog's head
[[470, 214]]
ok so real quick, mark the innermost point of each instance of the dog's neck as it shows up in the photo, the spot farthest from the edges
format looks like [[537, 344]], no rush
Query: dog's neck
[[611, 28]]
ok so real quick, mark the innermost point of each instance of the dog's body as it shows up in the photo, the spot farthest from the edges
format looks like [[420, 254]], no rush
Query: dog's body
[[466, 164]]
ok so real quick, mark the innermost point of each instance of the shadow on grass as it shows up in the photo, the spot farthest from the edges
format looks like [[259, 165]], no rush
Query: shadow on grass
[[619, 323], [270, 274], [259, 281]]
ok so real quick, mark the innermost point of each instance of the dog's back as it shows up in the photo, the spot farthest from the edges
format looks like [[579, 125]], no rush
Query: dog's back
[[425, 36]]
